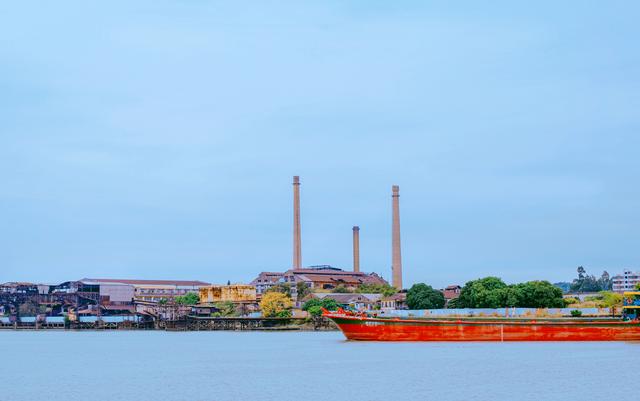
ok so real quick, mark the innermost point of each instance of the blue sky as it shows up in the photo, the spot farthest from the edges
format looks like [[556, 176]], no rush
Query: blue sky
[[158, 139]]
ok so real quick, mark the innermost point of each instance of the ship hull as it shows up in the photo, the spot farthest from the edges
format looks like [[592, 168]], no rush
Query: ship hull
[[385, 329]]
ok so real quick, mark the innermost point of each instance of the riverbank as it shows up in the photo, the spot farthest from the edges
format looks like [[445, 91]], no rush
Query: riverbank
[[190, 323]]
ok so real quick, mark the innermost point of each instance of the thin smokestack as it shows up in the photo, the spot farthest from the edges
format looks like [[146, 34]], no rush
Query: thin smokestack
[[356, 249], [297, 252], [396, 259]]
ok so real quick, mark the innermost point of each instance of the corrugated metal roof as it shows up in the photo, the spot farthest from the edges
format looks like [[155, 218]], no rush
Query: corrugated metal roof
[[193, 283]]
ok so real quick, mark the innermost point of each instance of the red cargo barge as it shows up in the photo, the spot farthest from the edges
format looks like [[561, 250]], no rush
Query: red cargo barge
[[363, 328]]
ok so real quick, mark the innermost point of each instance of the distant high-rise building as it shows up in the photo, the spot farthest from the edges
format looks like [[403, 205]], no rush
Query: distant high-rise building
[[626, 281]]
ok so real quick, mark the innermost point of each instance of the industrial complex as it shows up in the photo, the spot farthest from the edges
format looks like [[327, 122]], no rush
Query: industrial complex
[[154, 301], [162, 299]]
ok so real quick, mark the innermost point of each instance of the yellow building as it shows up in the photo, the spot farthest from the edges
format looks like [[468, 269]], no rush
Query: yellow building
[[236, 293]]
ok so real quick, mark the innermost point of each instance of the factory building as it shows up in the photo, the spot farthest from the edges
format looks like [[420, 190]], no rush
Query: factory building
[[156, 290], [317, 278]]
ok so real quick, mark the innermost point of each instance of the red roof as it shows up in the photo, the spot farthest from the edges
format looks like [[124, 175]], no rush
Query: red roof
[[271, 277], [398, 296], [331, 272], [333, 278], [319, 274], [337, 276]]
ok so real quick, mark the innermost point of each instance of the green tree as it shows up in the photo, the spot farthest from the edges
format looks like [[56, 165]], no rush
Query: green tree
[[283, 288], [589, 283], [492, 292], [314, 306], [638, 286], [581, 272], [454, 303], [315, 310], [605, 281], [225, 309], [482, 293], [511, 296], [384, 289], [423, 296], [539, 294], [311, 303], [190, 298], [276, 304], [302, 290]]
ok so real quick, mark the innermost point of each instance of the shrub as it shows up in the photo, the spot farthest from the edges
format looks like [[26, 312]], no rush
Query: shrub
[[571, 301], [576, 313], [284, 313], [609, 299], [284, 288], [342, 289], [315, 310], [188, 299], [314, 306], [384, 289], [226, 308]]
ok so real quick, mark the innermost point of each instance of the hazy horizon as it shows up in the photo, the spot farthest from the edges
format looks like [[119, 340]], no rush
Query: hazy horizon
[[158, 140]]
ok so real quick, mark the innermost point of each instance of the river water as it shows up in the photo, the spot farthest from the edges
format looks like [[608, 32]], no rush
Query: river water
[[194, 366]]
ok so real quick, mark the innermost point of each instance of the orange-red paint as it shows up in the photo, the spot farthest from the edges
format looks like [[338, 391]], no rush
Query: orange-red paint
[[380, 329]]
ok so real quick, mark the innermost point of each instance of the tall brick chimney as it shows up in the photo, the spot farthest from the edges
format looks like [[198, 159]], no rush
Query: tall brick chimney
[[356, 249], [297, 252], [396, 259]]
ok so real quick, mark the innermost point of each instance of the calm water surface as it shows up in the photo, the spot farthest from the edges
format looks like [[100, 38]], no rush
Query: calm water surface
[[197, 366]]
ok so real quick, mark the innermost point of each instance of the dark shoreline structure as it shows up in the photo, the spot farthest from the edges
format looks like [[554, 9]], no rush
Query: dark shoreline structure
[[189, 323], [108, 303]]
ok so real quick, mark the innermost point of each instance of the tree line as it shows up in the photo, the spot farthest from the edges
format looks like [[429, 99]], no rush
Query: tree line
[[489, 292], [589, 283], [492, 292]]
